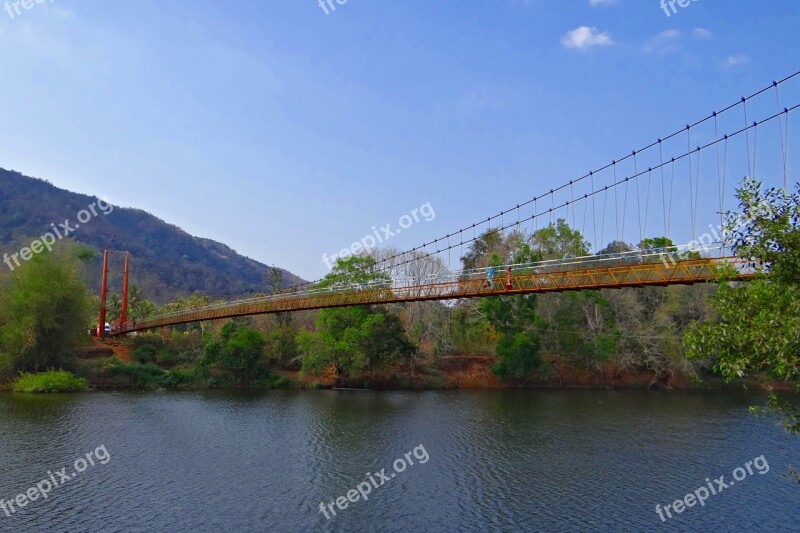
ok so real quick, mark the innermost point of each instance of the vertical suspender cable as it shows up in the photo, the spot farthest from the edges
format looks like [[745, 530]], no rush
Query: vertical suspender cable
[[691, 179], [603, 223], [755, 146], [786, 152], [696, 193], [585, 210], [784, 138], [746, 134], [624, 210], [594, 213], [638, 198], [616, 202], [647, 200], [572, 200], [671, 188], [663, 194], [720, 181]]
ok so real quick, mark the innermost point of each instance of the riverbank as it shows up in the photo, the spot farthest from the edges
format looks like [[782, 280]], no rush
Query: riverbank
[[104, 370], [474, 373]]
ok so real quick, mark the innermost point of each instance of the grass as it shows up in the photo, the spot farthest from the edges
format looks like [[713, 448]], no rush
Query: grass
[[49, 382]]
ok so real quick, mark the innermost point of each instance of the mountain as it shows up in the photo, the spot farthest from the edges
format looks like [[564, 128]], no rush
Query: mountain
[[166, 262]]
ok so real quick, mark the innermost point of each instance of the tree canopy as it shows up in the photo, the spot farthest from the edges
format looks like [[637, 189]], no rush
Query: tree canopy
[[759, 322], [44, 311]]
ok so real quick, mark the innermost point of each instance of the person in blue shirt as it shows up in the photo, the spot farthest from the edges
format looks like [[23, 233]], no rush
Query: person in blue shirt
[[490, 277]]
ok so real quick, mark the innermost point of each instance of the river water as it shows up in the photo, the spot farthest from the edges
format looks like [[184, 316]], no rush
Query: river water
[[478, 461]]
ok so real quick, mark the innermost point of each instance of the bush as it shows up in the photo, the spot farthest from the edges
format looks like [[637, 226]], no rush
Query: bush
[[49, 382], [517, 356], [237, 355], [151, 376], [44, 310], [144, 354], [165, 358], [147, 375], [276, 381]]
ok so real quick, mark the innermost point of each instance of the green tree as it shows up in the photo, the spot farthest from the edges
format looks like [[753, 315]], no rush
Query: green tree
[[241, 354], [353, 273], [281, 345], [44, 310], [237, 354], [517, 356], [487, 242], [656, 243], [584, 328], [758, 328], [514, 318], [559, 240], [114, 308], [356, 338], [273, 278], [139, 307]]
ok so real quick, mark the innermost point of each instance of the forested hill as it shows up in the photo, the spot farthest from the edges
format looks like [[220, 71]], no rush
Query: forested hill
[[166, 261]]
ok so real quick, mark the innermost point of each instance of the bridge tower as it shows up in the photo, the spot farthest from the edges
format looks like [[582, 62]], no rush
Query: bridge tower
[[123, 316]]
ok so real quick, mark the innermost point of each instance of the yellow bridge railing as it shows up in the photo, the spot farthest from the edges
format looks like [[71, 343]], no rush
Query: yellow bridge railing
[[521, 281]]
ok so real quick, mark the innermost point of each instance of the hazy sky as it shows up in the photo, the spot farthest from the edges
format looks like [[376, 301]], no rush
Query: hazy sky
[[288, 133]]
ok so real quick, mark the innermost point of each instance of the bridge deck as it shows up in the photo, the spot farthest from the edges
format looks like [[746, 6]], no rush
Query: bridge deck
[[528, 281]]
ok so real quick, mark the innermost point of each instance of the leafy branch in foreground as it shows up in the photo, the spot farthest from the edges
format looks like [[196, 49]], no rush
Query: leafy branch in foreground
[[758, 324], [758, 327]]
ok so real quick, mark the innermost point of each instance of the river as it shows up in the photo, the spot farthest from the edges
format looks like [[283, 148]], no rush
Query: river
[[451, 461]]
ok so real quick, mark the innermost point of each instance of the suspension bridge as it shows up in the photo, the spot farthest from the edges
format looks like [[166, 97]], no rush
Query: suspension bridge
[[662, 189]]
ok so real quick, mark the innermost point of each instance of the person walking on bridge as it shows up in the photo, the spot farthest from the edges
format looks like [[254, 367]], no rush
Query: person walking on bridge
[[490, 278]]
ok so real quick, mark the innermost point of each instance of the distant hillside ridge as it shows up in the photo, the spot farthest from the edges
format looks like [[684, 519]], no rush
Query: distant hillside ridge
[[166, 262]]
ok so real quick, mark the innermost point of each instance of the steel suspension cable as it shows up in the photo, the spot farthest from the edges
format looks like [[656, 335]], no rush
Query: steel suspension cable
[[783, 138], [686, 155], [626, 179], [663, 195], [743, 101], [691, 180]]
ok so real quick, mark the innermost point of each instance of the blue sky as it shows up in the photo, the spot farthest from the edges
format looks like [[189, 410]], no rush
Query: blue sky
[[288, 133]]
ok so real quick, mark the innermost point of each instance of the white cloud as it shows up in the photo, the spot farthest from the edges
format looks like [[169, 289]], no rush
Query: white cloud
[[664, 42], [602, 2], [586, 37], [702, 33], [736, 60]]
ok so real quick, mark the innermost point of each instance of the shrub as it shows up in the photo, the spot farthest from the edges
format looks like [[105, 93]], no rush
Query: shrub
[[144, 354], [517, 356], [147, 375], [49, 382], [165, 357]]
